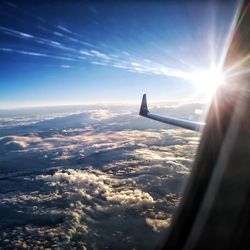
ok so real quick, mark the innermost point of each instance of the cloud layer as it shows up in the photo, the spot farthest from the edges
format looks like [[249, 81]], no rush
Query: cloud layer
[[93, 179]]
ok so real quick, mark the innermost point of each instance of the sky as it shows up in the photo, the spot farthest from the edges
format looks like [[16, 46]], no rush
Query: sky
[[59, 52]]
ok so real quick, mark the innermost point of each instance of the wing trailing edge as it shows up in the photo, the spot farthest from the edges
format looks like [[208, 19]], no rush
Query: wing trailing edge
[[191, 125]]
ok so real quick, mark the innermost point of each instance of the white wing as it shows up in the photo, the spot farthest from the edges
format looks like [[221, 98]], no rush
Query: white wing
[[195, 126]]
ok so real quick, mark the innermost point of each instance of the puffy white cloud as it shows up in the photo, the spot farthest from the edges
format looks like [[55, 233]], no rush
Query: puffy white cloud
[[158, 224], [96, 183], [80, 186]]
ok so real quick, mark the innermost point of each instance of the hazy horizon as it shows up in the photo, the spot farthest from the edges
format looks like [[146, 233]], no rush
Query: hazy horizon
[[137, 104]]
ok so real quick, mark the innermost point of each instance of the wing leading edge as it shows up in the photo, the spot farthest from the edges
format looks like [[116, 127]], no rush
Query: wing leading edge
[[191, 125]]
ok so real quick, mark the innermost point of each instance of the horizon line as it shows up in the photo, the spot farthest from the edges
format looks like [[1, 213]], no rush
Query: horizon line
[[100, 103]]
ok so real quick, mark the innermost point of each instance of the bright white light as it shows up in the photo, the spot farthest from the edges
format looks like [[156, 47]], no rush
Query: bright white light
[[208, 81]]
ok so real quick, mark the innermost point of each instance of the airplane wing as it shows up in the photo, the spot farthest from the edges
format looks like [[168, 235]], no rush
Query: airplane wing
[[195, 126]]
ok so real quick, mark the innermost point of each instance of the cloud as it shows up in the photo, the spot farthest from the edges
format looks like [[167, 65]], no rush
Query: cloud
[[84, 180], [10, 143], [101, 185], [99, 54], [86, 53], [65, 66], [104, 114], [158, 224]]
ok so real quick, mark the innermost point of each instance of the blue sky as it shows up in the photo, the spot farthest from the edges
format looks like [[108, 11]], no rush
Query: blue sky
[[66, 53]]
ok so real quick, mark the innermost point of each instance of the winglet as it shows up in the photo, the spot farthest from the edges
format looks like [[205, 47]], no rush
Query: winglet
[[192, 125], [144, 107]]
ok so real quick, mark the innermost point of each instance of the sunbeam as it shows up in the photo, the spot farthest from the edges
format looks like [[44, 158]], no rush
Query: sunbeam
[[174, 58]]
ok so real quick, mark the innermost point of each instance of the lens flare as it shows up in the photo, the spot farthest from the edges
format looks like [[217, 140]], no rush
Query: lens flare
[[208, 80]]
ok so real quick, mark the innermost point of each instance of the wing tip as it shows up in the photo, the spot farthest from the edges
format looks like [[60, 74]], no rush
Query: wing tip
[[144, 107]]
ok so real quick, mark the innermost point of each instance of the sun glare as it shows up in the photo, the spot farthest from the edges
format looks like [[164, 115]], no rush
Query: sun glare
[[208, 80]]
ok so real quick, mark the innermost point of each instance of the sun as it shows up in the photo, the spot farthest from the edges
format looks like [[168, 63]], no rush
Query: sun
[[208, 81]]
